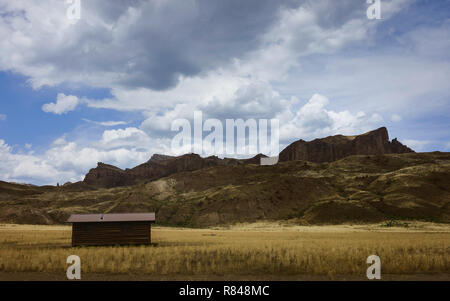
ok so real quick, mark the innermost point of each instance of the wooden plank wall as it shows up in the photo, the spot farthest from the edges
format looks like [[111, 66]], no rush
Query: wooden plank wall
[[111, 233]]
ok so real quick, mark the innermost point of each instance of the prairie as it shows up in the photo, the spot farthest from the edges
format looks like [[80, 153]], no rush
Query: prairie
[[257, 251]]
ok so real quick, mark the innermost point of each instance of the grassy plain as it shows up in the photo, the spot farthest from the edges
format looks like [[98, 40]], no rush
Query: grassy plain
[[258, 251]]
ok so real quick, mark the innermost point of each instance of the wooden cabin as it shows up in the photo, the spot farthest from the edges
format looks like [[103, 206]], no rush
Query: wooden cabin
[[111, 229]]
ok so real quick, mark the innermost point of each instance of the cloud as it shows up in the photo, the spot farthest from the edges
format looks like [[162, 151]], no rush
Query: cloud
[[314, 120], [302, 31], [236, 68], [60, 141], [251, 99], [116, 45], [225, 96], [2, 117], [64, 104], [125, 138], [297, 121], [27, 168], [106, 123], [71, 160], [253, 84]]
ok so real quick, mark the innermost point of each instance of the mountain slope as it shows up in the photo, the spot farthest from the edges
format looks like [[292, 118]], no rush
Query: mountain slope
[[364, 188]]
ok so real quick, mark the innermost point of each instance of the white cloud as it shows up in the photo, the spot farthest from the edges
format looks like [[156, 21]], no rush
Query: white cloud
[[79, 159], [106, 123], [70, 161], [2, 117], [299, 33], [60, 141], [125, 138], [64, 103], [27, 168], [222, 97], [314, 120]]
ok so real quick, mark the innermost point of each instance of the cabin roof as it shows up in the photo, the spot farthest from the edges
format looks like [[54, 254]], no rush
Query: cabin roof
[[112, 217]]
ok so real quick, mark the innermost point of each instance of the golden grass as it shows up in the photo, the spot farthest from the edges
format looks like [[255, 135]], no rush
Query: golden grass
[[240, 250]]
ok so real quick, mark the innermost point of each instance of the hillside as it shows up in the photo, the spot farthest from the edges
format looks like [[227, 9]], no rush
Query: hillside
[[356, 189]]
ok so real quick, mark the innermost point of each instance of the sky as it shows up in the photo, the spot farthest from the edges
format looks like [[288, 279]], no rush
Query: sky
[[106, 87]]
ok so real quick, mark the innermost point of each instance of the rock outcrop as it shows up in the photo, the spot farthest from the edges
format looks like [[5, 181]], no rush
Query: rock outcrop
[[158, 166], [337, 147], [161, 167], [105, 175], [159, 158], [320, 150]]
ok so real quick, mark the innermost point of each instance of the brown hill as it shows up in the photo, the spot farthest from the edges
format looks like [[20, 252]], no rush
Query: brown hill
[[337, 147], [158, 166], [357, 189]]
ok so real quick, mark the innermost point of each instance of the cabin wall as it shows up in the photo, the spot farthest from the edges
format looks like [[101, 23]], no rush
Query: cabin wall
[[111, 233]]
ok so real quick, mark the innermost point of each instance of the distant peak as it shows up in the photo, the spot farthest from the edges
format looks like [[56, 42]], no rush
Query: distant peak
[[382, 130]]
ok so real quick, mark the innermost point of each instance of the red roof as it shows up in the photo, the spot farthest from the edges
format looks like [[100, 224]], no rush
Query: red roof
[[112, 217]]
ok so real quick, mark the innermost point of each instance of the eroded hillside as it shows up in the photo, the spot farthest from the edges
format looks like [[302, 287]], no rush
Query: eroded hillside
[[355, 189]]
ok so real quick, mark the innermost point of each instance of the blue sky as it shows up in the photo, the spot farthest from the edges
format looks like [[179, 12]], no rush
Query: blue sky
[[107, 87]]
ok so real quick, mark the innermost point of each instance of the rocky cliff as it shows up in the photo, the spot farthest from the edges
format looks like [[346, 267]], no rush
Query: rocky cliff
[[105, 175], [158, 166], [333, 148], [320, 150], [165, 165]]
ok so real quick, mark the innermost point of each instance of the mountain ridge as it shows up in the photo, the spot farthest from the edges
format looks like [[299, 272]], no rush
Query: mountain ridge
[[319, 150], [355, 189], [192, 191], [336, 147]]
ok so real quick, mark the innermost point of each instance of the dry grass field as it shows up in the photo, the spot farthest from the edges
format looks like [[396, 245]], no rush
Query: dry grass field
[[263, 251]]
